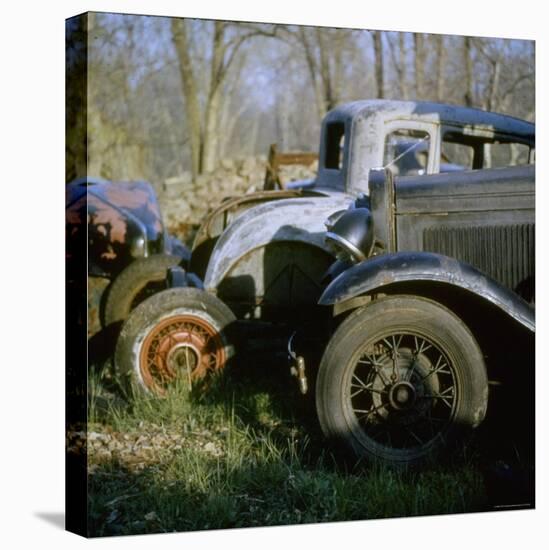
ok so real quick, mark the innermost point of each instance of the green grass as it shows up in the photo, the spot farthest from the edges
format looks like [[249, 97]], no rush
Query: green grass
[[271, 467]]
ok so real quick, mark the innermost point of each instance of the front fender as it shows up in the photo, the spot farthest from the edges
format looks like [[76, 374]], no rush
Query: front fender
[[378, 272], [298, 220], [216, 221]]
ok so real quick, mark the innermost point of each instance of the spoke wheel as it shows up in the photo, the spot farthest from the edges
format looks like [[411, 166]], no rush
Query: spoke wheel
[[401, 380], [185, 347], [179, 336], [402, 391]]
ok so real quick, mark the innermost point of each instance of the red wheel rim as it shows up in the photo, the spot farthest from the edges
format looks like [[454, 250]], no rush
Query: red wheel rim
[[182, 347]]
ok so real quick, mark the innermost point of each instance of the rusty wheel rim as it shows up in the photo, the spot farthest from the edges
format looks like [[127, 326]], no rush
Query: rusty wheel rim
[[185, 348]]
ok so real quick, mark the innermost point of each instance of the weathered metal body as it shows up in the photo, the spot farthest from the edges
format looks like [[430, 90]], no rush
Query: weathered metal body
[[389, 270], [220, 218], [266, 251], [273, 256], [442, 306], [469, 230], [122, 221], [114, 224], [364, 127]]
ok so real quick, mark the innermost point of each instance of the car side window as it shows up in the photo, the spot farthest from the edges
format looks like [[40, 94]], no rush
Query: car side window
[[406, 152], [459, 150], [335, 142], [499, 154], [456, 156], [463, 149]]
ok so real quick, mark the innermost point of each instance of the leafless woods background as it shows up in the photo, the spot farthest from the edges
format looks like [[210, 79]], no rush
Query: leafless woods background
[[169, 95]]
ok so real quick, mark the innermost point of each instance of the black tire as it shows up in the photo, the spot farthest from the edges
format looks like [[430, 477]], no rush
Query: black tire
[[401, 380], [178, 336], [135, 283]]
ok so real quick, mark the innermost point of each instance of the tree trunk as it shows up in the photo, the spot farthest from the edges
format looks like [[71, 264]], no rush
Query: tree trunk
[[399, 63], [283, 118], [492, 103], [419, 64], [338, 72], [402, 66], [213, 107], [228, 118], [441, 65], [378, 52], [468, 98], [312, 66], [325, 76], [211, 133], [192, 105], [252, 137]]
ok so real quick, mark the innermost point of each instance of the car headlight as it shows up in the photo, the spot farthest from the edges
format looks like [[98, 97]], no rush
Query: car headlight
[[137, 247], [351, 235]]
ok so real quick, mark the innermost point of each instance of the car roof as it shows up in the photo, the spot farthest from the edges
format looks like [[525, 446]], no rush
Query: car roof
[[436, 112]]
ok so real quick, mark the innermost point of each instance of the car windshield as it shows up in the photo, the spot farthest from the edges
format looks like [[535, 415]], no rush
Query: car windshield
[[406, 152]]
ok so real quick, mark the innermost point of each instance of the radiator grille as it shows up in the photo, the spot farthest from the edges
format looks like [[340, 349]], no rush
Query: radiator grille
[[504, 252]]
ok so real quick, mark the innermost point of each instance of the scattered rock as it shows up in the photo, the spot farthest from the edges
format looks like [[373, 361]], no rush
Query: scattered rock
[[248, 166], [202, 179], [149, 446], [101, 454], [173, 187], [228, 165], [213, 449], [185, 202]]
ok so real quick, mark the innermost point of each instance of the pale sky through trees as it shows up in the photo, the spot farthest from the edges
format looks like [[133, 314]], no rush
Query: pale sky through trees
[[257, 84]]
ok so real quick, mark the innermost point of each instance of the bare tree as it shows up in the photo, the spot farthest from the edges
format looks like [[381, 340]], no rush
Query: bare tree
[[469, 94], [494, 58], [190, 89], [204, 123], [398, 57], [232, 109], [441, 65], [419, 64], [379, 63], [323, 51]]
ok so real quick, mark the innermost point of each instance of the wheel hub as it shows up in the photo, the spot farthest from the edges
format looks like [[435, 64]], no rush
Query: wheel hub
[[184, 357], [399, 386], [402, 396]]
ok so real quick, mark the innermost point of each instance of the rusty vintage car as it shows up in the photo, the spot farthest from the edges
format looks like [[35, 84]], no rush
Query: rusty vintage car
[[120, 227], [419, 276]]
